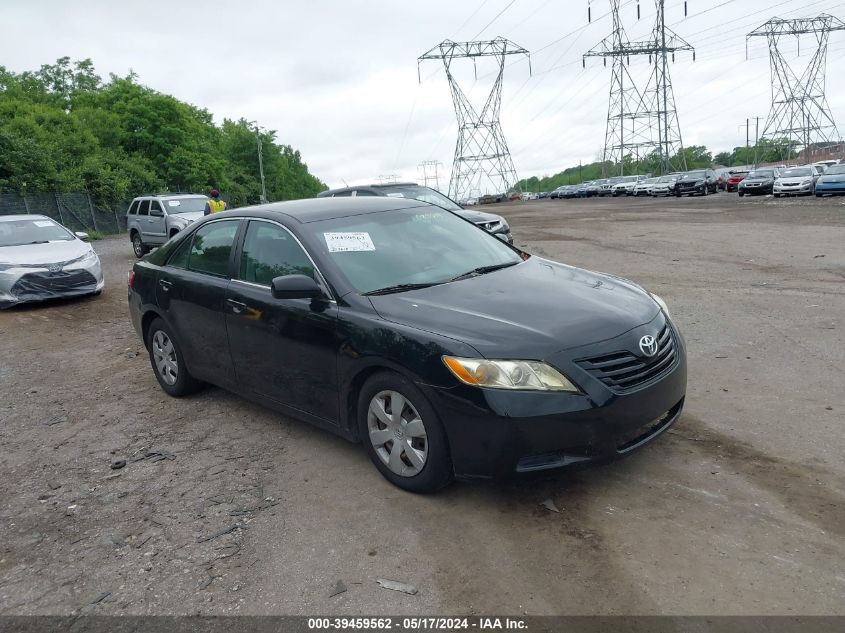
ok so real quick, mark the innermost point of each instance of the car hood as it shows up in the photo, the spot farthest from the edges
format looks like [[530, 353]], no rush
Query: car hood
[[478, 216], [188, 217], [532, 310], [759, 179], [691, 179], [51, 253], [794, 181]]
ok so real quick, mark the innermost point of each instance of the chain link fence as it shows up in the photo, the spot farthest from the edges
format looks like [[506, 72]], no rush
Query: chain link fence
[[76, 211]]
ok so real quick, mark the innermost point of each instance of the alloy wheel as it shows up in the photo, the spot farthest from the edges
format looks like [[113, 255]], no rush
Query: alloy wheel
[[164, 355], [138, 246], [397, 433]]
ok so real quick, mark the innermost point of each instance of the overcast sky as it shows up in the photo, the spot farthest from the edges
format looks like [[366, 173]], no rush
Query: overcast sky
[[338, 79]]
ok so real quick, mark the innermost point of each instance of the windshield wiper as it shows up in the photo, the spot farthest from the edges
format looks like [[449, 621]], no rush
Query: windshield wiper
[[398, 288], [38, 242], [481, 270]]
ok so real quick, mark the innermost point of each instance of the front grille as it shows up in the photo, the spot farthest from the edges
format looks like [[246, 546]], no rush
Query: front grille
[[45, 282], [623, 371]]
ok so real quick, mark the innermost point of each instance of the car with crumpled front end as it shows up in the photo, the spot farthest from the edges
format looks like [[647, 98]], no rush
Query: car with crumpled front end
[[40, 259], [795, 181], [399, 324]]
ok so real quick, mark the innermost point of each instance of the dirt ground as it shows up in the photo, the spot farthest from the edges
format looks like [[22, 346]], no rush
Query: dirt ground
[[224, 507]]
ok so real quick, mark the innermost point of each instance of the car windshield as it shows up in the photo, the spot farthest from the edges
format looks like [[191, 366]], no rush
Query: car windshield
[[694, 174], [797, 172], [835, 170], [424, 194], [32, 231], [185, 205], [739, 174], [403, 248], [667, 179], [648, 181], [762, 173]]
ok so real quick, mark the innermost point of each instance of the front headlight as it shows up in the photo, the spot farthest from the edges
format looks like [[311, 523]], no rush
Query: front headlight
[[89, 257], [661, 303], [508, 374], [505, 224]]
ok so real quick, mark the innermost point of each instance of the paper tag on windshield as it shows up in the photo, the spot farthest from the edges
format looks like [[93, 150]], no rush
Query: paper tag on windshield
[[43, 223], [173, 203], [396, 194], [349, 242]]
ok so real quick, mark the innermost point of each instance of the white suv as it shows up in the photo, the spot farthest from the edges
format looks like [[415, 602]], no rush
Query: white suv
[[152, 220]]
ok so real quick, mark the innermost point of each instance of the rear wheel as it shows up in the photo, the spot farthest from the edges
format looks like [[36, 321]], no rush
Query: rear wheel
[[167, 361], [138, 245], [402, 434]]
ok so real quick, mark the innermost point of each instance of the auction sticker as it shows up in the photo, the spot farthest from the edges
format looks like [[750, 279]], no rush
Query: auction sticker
[[349, 242]]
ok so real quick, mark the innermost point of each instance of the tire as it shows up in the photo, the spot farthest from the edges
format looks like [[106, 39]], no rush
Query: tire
[[776, 195], [428, 472], [168, 363], [818, 195], [741, 194], [138, 246]]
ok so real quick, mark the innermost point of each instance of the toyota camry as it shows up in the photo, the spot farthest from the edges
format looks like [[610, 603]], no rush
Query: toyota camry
[[445, 351]]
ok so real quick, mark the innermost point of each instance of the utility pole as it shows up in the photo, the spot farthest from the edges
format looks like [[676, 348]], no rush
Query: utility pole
[[800, 114], [482, 160], [260, 162], [651, 111]]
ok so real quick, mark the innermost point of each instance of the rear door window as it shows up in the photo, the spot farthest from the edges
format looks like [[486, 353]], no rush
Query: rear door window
[[211, 248], [270, 251], [144, 208]]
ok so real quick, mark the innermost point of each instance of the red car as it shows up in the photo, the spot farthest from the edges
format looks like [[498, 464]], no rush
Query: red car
[[733, 182]]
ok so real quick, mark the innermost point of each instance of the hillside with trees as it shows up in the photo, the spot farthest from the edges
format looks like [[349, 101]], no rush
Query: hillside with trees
[[63, 129]]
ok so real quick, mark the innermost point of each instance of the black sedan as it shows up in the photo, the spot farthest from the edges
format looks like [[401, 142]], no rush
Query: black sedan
[[758, 182], [402, 325]]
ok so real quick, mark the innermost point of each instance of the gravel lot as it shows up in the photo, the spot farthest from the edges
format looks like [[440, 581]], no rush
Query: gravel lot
[[225, 507]]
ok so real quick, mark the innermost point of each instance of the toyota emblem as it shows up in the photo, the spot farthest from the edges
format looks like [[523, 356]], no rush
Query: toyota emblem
[[55, 268], [648, 345]]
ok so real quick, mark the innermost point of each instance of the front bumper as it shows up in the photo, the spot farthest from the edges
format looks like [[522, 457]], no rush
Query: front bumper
[[794, 190], [830, 188], [29, 284], [689, 190], [756, 190], [498, 433]]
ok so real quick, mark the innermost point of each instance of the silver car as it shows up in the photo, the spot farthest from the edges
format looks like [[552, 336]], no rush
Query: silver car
[[40, 259], [152, 220]]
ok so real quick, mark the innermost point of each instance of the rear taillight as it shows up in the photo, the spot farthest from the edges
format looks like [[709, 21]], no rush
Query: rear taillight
[[130, 280]]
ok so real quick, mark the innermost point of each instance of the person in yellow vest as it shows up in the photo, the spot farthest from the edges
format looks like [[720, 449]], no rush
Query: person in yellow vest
[[215, 204]]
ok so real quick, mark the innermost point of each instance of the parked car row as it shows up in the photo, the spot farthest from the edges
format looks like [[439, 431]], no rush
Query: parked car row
[[823, 178]]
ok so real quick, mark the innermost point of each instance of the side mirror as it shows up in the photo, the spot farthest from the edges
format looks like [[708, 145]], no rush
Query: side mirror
[[82, 235], [295, 287], [156, 213]]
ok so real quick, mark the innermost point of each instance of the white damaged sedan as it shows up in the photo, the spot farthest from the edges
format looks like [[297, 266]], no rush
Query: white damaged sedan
[[40, 259]]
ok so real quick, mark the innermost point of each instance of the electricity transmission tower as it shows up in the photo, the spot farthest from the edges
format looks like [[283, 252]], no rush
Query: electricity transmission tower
[[800, 115], [642, 122], [431, 173], [482, 160]]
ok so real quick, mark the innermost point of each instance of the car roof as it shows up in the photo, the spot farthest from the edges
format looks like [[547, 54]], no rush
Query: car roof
[[384, 185], [172, 195], [316, 209], [24, 216]]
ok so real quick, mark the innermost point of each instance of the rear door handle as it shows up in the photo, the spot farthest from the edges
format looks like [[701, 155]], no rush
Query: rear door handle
[[237, 306], [165, 285]]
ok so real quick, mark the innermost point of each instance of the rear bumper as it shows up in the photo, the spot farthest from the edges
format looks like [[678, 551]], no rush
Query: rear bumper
[[496, 434]]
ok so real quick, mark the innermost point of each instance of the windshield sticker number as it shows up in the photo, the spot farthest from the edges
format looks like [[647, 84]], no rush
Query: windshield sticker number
[[396, 194], [349, 242], [173, 203], [43, 223]]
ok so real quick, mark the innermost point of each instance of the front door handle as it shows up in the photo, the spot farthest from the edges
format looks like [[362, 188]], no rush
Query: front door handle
[[165, 285], [237, 306]]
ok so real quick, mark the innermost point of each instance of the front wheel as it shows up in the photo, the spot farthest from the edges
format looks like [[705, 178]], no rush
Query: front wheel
[[168, 362], [777, 195], [138, 246], [402, 434], [741, 194]]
